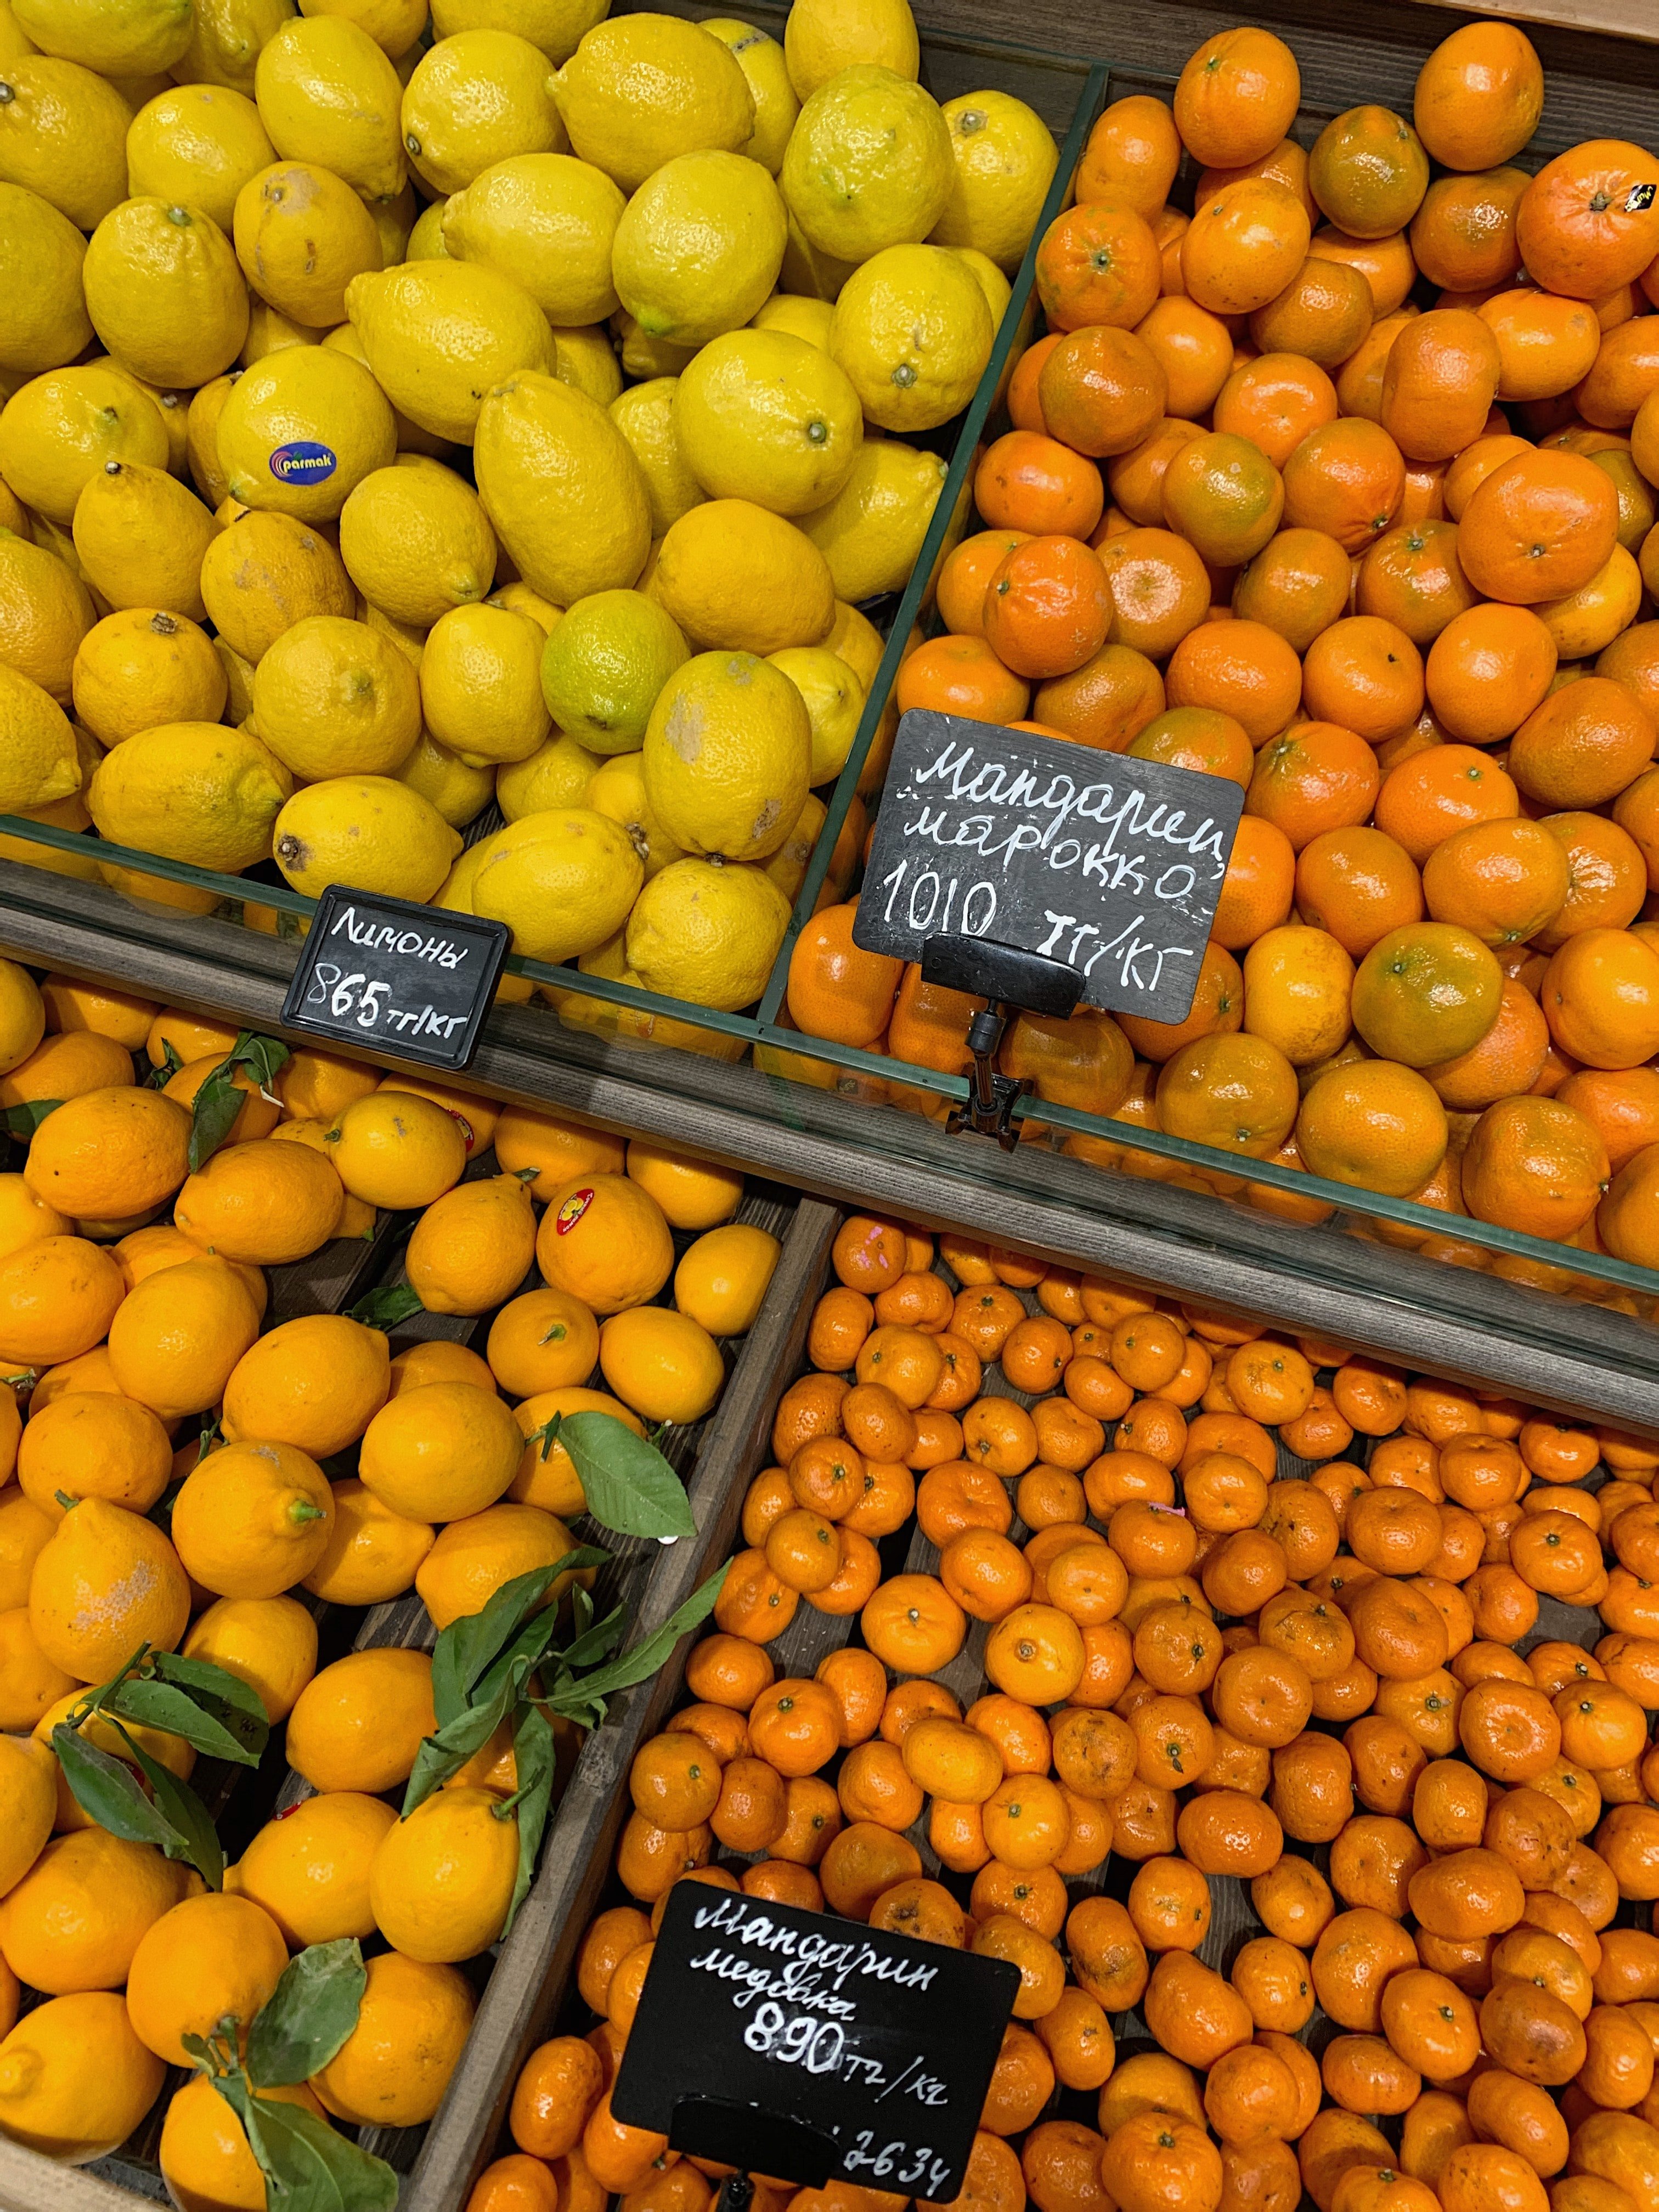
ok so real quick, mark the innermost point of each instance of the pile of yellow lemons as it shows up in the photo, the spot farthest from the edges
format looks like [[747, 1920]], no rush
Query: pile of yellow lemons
[[404, 413], [172, 1477]]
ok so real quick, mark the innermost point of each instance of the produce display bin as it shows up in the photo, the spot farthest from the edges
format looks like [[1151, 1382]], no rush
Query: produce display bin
[[655, 1578]]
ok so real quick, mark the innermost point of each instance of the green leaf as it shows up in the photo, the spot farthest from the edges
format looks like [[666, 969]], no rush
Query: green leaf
[[534, 1753], [637, 1665], [468, 1648], [309, 2015], [24, 1120], [217, 1690], [216, 1726], [219, 1101], [106, 1789], [307, 2165], [629, 1487], [446, 1751], [195, 1839], [159, 1078], [386, 1307]]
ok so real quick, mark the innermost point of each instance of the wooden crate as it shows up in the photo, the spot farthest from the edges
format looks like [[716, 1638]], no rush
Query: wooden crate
[[714, 1456]]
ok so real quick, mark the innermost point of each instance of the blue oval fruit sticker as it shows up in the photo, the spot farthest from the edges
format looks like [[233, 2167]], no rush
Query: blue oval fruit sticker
[[302, 460]]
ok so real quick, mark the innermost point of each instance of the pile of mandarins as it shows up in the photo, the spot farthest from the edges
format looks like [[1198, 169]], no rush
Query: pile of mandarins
[[1133, 1649], [1360, 516]]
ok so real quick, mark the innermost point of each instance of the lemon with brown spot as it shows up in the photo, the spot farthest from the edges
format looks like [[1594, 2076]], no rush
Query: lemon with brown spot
[[373, 1554], [440, 1452], [24, 1219], [309, 1869], [618, 790], [264, 573], [109, 1152], [269, 1643], [396, 1149], [727, 755], [359, 1723]]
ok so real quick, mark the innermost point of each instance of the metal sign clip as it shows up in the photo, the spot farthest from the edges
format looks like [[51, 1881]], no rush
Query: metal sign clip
[[1011, 981]]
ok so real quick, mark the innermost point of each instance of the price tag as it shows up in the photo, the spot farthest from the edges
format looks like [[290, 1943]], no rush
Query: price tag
[[878, 2048], [415, 980], [1110, 865]]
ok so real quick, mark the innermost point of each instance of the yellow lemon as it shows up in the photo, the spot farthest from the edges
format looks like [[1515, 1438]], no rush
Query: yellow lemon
[[197, 144], [309, 1869], [618, 790], [707, 933], [722, 1279], [472, 1559], [178, 1335], [366, 830], [563, 881], [834, 700], [603, 667], [455, 790], [699, 246], [472, 1247], [261, 1203], [764, 417], [373, 1554], [164, 292], [546, 221], [441, 1451], [24, 1218], [91, 1444], [358, 1724], [41, 256], [107, 1577], [412, 2026], [641, 89], [396, 1149], [38, 759], [315, 1383], [868, 164], [225, 42], [692, 1194], [263, 574], [645, 416], [586, 359], [269, 332], [823, 37], [439, 335], [735, 574], [300, 236], [871, 532], [541, 1340], [474, 100], [990, 279], [44, 613], [63, 134], [1004, 159], [394, 25], [547, 1474], [202, 437], [727, 756], [252, 1520], [665, 1365], [913, 331], [480, 684], [141, 667], [203, 2152], [808, 272], [555, 25], [30, 1683], [191, 791], [416, 541], [425, 235], [58, 430], [336, 698], [561, 486], [556, 775], [71, 1005], [28, 1797], [117, 38], [643, 356], [211, 1959], [143, 538], [75, 2080], [801, 318], [761, 58], [327, 94], [269, 1643]]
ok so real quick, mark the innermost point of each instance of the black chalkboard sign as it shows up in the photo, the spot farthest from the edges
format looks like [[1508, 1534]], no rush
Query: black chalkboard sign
[[415, 980], [1111, 865], [757, 2020]]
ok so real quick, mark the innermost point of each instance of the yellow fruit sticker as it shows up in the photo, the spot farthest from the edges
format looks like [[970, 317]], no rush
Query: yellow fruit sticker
[[571, 1212]]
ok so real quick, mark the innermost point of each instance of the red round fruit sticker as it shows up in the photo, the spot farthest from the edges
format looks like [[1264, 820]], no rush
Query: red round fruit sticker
[[571, 1212]]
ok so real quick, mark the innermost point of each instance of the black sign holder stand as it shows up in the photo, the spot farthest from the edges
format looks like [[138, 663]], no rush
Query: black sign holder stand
[[1008, 979], [744, 2136]]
